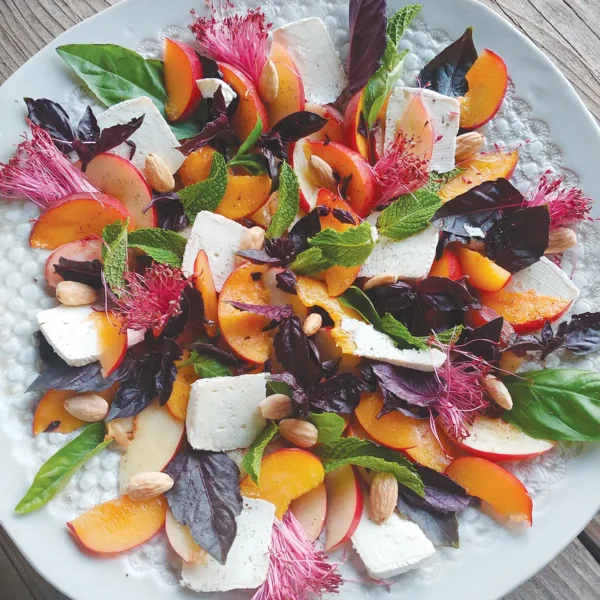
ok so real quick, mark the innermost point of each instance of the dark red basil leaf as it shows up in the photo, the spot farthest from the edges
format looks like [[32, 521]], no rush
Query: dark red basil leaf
[[167, 371], [206, 498], [88, 272], [299, 395], [390, 298], [292, 349], [442, 493], [483, 341], [114, 136], [169, 210], [368, 40], [519, 239], [446, 73], [582, 333], [53, 118], [444, 294], [340, 394], [259, 257], [88, 129], [216, 128], [131, 399], [273, 148], [305, 228], [298, 125], [343, 216], [276, 313], [210, 68], [223, 355], [286, 281], [52, 426], [282, 248]]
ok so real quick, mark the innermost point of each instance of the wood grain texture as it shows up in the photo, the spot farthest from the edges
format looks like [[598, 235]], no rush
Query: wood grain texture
[[566, 30]]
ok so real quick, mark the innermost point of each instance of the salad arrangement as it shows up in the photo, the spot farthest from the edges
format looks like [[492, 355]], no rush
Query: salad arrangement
[[296, 296]]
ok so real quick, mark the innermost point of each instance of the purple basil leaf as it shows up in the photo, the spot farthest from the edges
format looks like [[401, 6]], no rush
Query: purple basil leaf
[[456, 498], [88, 272], [275, 313], [446, 73], [210, 68], [130, 400], [547, 335], [132, 148], [305, 228], [299, 395], [292, 348], [286, 281], [582, 334], [519, 239], [391, 298], [53, 118], [528, 343], [259, 257], [329, 367], [114, 136], [226, 357], [212, 130], [343, 216], [368, 40], [170, 213], [206, 498], [444, 294], [282, 248], [340, 394], [483, 341], [298, 125], [167, 372], [88, 130]]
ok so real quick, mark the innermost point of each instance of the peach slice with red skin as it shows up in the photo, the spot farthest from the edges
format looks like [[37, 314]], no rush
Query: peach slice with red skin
[[496, 486], [112, 338], [87, 249], [488, 82], [483, 273], [182, 542], [182, 69], [447, 265], [180, 396], [311, 511], [119, 178], [290, 98], [205, 284], [416, 127], [352, 118], [119, 525], [333, 130], [76, 217], [284, 476], [429, 452]]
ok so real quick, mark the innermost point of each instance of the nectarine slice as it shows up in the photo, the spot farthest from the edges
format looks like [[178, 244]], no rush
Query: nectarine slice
[[495, 485], [242, 330], [87, 249], [416, 126], [284, 476], [428, 452], [76, 217], [120, 524], [180, 396], [483, 273], [205, 284], [447, 265], [113, 341], [352, 121], [488, 82], [290, 98], [182, 69], [311, 510], [333, 130], [181, 540]]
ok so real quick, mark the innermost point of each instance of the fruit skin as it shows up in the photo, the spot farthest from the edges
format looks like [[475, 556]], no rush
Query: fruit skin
[[119, 525], [290, 98], [250, 107], [355, 140], [447, 265], [205, 284], [74, 218], [488, 82], [81, 250], [284, 476], [497, 486], [311, 511], [334, 130], [182, 69], [483, 274]]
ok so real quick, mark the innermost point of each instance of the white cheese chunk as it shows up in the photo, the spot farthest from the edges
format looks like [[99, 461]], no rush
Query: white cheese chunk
[[411, 258], [445, 113], [210, 85], [248, 560], [153, 137], [220, 238], [375, 345], [392, 548], [223, 412], [74, 335], [315, 57]]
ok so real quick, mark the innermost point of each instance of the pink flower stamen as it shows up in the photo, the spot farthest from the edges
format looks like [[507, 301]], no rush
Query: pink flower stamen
[[296, 569], [40, 172], [238, 40]]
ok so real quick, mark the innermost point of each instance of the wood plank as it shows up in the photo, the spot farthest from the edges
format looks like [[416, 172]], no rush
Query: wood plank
[[590, 538]]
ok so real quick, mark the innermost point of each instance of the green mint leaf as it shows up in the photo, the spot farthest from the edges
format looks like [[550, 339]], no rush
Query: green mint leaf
[[163, 246], [438, 180], [356, 299], [348, 248], [310, 262], [207, 194], [330, 426], [114, 253], [363, 453], [251, 139], [207, 366], [450, 336], [289, 202], [410, 214], [59, 468], [253, 458], [253, 163], [561, 405], [400, 21], [400, 333]]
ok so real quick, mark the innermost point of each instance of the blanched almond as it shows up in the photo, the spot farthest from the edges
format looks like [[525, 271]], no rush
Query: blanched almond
[[321, 173], [561, 239], [300, 433], [253, 239], [73, 293], [383, 279], [146, 486], [268, 84], [120, 430], [498, 392], [88, 407], [276, 406], [383, 496], [312, 324], [467, 145], [158, 174]]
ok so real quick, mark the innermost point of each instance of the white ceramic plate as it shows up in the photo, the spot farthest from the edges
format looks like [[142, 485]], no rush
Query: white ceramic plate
[[492, 561]]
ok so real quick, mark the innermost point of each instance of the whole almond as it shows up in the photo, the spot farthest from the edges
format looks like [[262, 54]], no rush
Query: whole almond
[[561, 239], [253, 239], [73, 293], [383, 279], [158, 174], [120, 430], [498, 392], [312, 324], [383, 496], [146, 486], [467, 145], [88, 407], [300, 433], [268, 84], [276, 407], [321, 173]]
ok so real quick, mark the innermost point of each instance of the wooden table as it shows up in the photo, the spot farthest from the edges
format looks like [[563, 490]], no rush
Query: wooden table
[[566, 30]]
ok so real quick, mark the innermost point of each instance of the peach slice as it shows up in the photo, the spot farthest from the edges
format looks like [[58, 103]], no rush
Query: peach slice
[[117, 177], [488, 82], [291, 97], [477, 317], [250, 108], [483, 274], [87, 249], [244, 194], [345, 499], [182, 69], [447, 265], [495, 485], [311, 511], [113, 341], [284, 476], [181, 540], [333, 130], [487, 166], [243, 331], [355, 429], [352, 118], [205, 284], [120, 524], [429, 452], [278, 297], [180, 396], [393, 430], [416, 126], [76, 217]]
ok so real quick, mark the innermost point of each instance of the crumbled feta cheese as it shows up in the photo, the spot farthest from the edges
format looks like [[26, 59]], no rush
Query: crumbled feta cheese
[[210, 85]]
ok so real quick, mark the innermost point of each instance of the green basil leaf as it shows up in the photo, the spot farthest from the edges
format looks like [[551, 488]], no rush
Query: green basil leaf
[[310, 262], [253, 163], [251, 139], [59, 468], [163, 246], [438, 180], [400, 333], [362, 453], [410, 214], [356, 299], [253, 458], [330, 426], [348, 248], [207, 366], [289, 202], [114, 253], [207, 194], [561, 405]]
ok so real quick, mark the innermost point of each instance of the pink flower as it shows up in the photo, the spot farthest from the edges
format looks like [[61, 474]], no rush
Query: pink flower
[[296, 570], [40, 172], [239, 41]]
